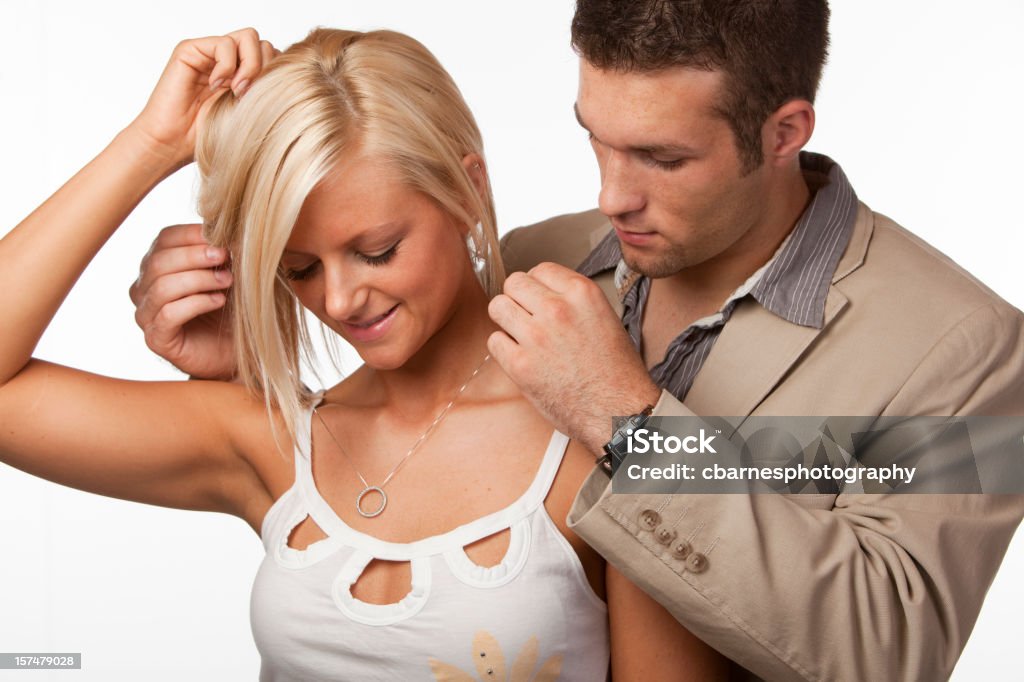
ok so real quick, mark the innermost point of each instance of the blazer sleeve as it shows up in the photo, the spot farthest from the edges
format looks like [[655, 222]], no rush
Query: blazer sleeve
[[826, 587]]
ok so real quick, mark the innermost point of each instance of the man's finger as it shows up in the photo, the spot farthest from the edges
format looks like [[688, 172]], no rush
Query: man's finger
[[556, 277], [509, 315], [527, 291], [503, 349]]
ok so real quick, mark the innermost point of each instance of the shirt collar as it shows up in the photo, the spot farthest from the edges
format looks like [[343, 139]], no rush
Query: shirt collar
[[794, 283]]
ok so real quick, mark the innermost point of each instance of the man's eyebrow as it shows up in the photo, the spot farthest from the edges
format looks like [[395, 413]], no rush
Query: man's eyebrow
[[666, 149]]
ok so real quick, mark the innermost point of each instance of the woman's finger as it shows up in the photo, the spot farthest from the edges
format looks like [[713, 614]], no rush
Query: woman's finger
[[166, 291], [250, 59], [164, 329], [224, 52], [268, 52], [186, 234], [169, 261]]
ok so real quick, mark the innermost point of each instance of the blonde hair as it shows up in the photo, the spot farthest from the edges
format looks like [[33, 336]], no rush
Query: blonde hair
[[260, 156]]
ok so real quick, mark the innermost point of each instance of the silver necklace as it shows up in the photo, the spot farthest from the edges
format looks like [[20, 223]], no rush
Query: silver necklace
[[367, 488]]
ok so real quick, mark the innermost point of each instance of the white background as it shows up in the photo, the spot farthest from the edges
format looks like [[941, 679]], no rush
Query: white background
[[921, 104]]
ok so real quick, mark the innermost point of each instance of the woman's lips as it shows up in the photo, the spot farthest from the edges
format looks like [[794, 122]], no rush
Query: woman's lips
[[635, 238], [373, 329]]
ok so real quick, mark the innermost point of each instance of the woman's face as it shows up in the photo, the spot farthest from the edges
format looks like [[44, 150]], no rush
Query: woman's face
[[378, 262]]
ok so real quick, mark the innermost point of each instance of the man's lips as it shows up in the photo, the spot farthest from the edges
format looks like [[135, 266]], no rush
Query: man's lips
[[635, 238]]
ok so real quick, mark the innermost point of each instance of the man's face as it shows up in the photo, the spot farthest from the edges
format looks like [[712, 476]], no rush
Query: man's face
[[672, 182]]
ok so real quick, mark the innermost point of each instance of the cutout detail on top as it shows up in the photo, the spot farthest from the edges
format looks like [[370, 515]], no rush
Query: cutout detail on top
[[305, 534], [383, 582], [489, 551]]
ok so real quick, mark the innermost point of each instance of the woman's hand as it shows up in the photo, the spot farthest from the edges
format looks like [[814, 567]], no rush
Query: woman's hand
[[179, 303], [198, 71]]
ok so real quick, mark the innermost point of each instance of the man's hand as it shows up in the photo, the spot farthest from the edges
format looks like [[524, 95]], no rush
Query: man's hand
[[568, 352], [179, 302]]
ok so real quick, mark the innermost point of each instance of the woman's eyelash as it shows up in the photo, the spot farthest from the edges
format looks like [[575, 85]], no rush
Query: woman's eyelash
[[300, 274], [381, 258]]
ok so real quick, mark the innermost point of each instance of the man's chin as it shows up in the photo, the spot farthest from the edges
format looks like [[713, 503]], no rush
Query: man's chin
[[654, 267]]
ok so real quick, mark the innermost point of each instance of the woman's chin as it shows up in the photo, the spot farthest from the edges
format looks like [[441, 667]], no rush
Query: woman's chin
[[383, 359]]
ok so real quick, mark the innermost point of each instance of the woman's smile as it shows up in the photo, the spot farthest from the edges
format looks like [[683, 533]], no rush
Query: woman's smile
[[372, 328]]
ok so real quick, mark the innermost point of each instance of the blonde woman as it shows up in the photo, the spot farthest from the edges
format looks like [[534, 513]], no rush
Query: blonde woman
[[413, 515]]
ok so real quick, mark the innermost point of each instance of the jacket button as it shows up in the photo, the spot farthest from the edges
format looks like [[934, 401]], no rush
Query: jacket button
[[681, 550], [696, 563], [649, 519], [665, 535]]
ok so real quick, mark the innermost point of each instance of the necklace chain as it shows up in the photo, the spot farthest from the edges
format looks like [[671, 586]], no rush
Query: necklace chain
[[380, 489]]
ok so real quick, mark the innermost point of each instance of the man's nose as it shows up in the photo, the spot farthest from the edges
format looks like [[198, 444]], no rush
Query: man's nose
[[621, 192]]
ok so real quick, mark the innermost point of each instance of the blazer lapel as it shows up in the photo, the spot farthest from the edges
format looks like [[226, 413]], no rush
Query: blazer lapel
[[606, 280], [756, 347]]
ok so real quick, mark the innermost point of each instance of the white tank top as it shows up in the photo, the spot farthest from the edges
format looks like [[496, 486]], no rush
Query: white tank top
[[531, 618]]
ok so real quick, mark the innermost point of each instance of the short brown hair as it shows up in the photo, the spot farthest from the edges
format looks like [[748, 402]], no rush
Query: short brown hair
[[770, 51]]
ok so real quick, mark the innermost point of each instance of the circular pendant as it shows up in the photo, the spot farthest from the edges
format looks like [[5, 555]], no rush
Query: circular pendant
[[378, 510]]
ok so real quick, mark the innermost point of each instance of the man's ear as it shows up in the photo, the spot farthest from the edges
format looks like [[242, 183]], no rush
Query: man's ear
[[787, 131]]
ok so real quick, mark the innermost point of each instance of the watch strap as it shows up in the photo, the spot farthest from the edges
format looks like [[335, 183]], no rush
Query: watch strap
[[616, 449]]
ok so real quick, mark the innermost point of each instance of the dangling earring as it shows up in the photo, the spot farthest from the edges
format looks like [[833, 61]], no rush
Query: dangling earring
[[474, 242]]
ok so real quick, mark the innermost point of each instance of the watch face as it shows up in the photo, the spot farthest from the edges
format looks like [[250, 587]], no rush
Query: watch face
[[616, 449]]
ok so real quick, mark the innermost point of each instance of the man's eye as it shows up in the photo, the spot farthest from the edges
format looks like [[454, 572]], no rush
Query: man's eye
[[299, 274], [663, 164], [381, 258]]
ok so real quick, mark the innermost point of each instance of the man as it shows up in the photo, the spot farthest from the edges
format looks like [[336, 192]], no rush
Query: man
[[733, 275], [697, 113]]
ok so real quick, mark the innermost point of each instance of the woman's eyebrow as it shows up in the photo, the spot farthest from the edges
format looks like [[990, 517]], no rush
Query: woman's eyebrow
[[362, 236]]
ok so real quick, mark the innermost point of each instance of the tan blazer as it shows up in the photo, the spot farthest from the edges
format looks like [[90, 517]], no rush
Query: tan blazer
[[826, 587]]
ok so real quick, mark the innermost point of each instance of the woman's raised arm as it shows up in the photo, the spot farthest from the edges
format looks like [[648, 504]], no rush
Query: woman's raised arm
[[120, 438], [43, 256]]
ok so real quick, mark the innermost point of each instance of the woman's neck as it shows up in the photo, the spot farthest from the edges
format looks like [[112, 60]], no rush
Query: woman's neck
[[431, 377]]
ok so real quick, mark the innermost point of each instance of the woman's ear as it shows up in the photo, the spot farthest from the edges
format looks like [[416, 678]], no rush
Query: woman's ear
[[477, 171]]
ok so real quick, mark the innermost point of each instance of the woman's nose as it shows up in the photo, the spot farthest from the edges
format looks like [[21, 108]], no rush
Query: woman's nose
[[344, 294]]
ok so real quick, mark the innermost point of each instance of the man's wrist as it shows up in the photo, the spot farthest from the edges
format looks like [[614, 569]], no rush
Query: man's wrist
[[641, 401], [616, 449]]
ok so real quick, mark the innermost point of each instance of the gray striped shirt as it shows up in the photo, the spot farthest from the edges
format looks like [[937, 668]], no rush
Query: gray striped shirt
[[792, 285]]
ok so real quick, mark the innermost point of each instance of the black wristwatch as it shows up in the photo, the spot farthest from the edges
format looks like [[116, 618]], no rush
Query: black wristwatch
[[616, 449]]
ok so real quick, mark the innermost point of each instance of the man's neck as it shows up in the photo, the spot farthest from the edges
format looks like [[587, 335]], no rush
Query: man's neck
[[677, 301]]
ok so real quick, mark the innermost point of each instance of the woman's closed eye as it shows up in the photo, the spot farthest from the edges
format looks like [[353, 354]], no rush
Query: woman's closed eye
[[380, 258], [297, 274]]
